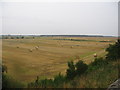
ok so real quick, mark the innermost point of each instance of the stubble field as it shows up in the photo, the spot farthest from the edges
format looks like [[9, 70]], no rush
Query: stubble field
[[47, 56]]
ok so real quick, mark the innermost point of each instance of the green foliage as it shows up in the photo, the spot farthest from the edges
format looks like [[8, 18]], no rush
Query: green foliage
[[17, 37], [59, 80], [73, 83], [22, 37], [97, 63], [71, 73], [12, 37], [9, 82], [78, 69], [45, 83], [98, 78], [31, 85], [81, 67], [113, 51]]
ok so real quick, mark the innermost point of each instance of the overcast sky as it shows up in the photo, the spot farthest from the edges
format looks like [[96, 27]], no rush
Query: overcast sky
[[90, 18]]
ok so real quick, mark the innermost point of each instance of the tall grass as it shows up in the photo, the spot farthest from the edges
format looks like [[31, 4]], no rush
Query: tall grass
[[100, 77], [10, 82]]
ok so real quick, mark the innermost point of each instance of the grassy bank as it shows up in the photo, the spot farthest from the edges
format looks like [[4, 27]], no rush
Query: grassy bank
[[100, 77]]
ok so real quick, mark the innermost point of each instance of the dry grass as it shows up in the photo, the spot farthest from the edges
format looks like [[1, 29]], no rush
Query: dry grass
[[51, 57]]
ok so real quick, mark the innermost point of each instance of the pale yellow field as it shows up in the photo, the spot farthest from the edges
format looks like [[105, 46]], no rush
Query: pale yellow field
[[51, 57]]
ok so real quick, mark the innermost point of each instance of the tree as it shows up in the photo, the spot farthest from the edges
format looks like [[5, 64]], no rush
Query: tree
[[12, 37], [80, 67], [113, 51], [22, 37], [71, 73], [17, 37]]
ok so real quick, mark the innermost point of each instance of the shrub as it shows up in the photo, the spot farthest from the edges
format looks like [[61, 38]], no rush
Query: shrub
[[31, 85], [80, 67], [22, 37], [113, 51], [59, 80], [12, 37], [46, 83], [97, 63], [71, 73], [9, 82], [17, 37]]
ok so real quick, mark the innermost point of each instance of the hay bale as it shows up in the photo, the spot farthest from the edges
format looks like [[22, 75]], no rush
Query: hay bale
[[36, 47], [18, 47], [30, 50], [95, 55], [71, 47], [61, 45]]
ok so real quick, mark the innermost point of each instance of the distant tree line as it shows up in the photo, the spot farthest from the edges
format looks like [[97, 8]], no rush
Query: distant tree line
[[12, 37], [71, 36], [17, 37]]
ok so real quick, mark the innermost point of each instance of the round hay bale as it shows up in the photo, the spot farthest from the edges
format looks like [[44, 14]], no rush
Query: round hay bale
[[71, 47], [30, 50], [36, 47], [18, 47], [95, 55]]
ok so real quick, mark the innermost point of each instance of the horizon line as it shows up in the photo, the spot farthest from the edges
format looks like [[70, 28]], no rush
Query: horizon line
[[59, 35]]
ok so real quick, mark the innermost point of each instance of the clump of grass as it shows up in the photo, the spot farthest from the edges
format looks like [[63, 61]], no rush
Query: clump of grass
[[100, 77], [10, 82], [56, 82], [97, 63], [100, 74]]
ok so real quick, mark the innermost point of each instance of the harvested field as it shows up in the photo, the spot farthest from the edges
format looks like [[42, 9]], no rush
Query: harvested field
[[47, 56]]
